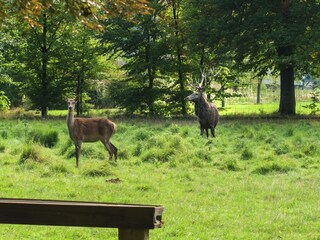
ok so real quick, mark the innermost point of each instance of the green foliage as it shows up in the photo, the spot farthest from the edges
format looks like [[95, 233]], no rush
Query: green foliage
[[97, 170], [8, 86], [246, 154], [273, 168], [315, 99], [146, 46], [47, 138], [260, 36], [4, 102], [2, 147], [32, 153]]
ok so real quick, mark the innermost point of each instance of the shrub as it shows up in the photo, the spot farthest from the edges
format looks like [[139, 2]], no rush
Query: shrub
[[281, 148], [158, 155], [246, 154], [310, 150], [65, 146], [90, 151], [204, 155], [45, 138], [31, 152], [137, 150], [92, 170], [272, 168], [4, 134], [4, 102], [142, 135], [59, 167], [289, 133], [123, 154], [2, 148], [174, 128]]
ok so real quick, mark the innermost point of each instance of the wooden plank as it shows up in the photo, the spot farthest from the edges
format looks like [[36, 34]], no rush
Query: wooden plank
[[85, 214], [133, 234]]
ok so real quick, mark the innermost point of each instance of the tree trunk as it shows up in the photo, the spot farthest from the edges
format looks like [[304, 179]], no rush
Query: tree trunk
[[285, 51], [287, 93], [259, 90], [175, 6], [151, 74], [79, 96], [44, 77]]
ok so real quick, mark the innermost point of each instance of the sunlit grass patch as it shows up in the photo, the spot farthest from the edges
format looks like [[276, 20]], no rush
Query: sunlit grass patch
[[258, 179]]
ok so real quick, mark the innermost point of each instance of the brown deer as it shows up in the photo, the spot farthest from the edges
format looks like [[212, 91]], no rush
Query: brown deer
[[89, 130], [207, 113]]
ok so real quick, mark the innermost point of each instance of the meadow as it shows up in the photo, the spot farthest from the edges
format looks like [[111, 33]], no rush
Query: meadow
[[258, 179]]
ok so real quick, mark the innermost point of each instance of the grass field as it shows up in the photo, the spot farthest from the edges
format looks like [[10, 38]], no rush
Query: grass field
[[258, 179]]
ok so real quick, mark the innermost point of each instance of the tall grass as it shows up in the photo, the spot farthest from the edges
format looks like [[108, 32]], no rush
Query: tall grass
[[258, 179]]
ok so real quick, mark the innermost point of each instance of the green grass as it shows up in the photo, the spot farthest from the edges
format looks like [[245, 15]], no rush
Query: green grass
[[261, 109], [258, 179]]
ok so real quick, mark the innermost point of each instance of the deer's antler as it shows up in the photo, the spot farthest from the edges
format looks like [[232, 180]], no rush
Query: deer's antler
[[212, 75]]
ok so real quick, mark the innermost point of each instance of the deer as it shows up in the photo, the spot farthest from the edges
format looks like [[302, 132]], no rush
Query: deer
[[206, 112], [90, 130]]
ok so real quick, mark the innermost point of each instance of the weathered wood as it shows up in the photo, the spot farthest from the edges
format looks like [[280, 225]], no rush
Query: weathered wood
[[85, 214], [133, 234]]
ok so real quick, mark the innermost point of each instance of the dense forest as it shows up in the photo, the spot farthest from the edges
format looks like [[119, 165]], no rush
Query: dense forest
[[142, 55]]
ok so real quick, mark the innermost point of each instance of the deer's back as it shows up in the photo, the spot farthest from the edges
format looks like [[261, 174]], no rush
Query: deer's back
[[93, 129]]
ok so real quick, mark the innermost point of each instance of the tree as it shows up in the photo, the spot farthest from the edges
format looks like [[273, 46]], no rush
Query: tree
[[45, 19], [89, 12], [142, 45], [68, 51], [281, 36], [179, 52]]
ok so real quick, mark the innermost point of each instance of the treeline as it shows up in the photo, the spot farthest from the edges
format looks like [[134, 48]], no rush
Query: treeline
[[144, 62]]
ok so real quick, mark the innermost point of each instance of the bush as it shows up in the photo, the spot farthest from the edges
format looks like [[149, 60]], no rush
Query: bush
[[45, 138], [33, 153], [142, 135], [4, 134], [2, 148], [158, 155], [97, 171], [272, 168], [246, 154], [4, 102]]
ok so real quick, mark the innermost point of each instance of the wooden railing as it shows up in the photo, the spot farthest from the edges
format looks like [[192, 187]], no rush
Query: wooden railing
[[133, 221]]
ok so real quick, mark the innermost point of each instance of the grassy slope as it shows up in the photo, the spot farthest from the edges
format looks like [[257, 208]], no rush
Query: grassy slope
[[256, 180]]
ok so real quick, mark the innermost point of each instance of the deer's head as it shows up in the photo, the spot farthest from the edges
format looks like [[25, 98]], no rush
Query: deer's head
[[200, 87], [71, 103]]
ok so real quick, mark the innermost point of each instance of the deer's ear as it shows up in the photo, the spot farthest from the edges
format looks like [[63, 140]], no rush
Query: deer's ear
[[65, 97]]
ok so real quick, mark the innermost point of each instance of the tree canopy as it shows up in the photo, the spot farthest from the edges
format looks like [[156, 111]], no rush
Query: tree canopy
[[155, 48], [261, 36]]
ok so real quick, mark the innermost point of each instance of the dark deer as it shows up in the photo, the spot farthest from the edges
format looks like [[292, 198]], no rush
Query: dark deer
[[90, 130], [206, 112]]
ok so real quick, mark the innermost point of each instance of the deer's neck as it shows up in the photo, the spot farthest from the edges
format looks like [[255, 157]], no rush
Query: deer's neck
[[200, 105], [70, 120]]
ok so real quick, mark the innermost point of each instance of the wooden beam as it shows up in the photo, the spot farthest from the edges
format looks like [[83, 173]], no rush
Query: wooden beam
[[133, 234], [85, 214]]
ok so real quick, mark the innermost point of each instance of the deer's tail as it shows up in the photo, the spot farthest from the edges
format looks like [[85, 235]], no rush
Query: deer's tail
[[113, 127]]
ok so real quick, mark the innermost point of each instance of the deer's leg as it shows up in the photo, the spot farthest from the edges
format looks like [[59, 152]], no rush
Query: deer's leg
[[108, 146], [201, 131], [115, 151], [78, 149], [213, 132]]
